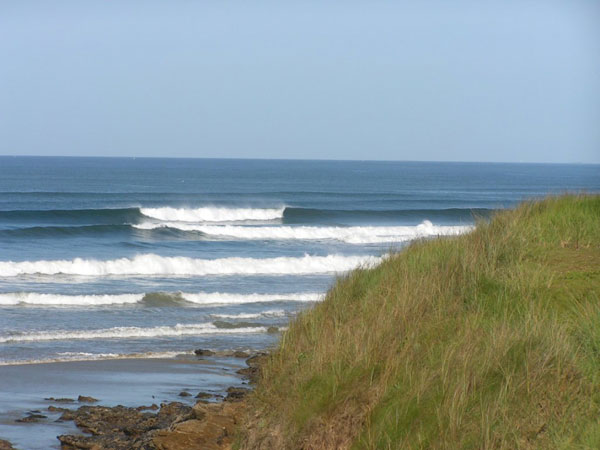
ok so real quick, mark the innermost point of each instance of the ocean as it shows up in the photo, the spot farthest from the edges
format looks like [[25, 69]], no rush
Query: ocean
[[114, 270], [137, 257]]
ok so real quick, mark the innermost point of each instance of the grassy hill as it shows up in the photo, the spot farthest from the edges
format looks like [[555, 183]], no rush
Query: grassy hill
[[487, 340]]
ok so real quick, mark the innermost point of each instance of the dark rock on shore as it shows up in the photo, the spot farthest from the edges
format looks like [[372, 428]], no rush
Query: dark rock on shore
[[207, 426], [185, 394], [60, 400], [31, 417], [5, 445], [213, 429], [52, 408], [67, 415], [152, 407], [240, 354], [204, 352], [236, 394], [120, 427], [252, 372], [84, 399]]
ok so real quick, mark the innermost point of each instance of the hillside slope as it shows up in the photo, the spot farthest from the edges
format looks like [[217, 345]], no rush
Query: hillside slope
[[487, 340]]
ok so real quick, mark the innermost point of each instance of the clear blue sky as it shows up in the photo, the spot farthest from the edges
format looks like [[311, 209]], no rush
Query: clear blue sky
[[515, 80]]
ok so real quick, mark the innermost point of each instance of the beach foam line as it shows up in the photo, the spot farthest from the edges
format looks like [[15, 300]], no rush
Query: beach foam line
[[226, 298], [128, 333], [151, 299], [213, 214], [34, 298], [351, 235], [84, 356], [151, 264], [269, 313]]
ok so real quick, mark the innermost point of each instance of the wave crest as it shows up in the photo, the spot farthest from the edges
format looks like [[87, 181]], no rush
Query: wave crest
[[154, 265], [351, 235], [34, 298], [151, 299], [128, 332], [212, 214]]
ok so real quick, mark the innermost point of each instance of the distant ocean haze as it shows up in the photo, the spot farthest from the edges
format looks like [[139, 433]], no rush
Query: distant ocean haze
[[105, 257]]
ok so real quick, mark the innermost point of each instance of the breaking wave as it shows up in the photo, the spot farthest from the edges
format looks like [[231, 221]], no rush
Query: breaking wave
[[34, 298], [213, 214], [87, 356], [128, 333], [224, 298], [151, 264], [351, 235], [268, 313], [151, 299]]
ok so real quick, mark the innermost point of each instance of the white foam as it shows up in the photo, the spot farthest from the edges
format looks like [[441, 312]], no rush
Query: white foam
[[128, 333], [34, 298], [351, 235], [150, 264], [269, 313], [84, 356], [225, 298], [213, 214]]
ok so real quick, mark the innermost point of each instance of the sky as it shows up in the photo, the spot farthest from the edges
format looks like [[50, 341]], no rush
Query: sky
[[514, 80]]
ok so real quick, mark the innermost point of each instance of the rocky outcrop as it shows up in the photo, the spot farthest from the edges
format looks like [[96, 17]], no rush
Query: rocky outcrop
[[5, 445], [212, 429], [121, 427], [254, 363], [32, 416], [174, 427], [60, 400], [206, 426], [85, 399]]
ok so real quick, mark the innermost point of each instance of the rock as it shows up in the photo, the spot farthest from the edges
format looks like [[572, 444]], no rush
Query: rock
[[152, 407], [235, 394], [76, 442], [174, 412], [204, 352], [84, 399], [60, 400], [252, 372], [175, 426], [121, 428], [31, 418], [212, 430], [52, 408], [67, 415], [272, 330], [240, 354], [5, 445]]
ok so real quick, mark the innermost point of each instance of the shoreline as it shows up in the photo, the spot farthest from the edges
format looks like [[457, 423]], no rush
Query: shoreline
[[193, 391]]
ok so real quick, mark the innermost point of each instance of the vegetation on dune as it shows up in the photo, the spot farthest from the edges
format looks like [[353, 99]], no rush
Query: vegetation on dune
[[487, 340]]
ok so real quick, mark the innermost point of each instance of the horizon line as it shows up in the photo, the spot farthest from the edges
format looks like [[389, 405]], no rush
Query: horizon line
[[300, 159]]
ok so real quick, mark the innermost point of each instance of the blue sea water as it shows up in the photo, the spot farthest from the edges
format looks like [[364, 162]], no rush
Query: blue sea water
[[109, 257]]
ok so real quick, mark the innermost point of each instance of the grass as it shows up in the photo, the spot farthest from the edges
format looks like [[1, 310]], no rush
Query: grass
[[486, 340]]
